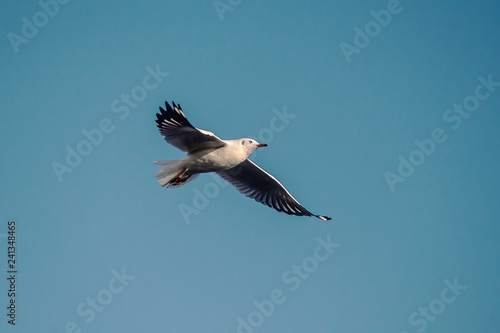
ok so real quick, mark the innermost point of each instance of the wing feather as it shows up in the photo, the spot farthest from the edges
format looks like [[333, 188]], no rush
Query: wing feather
[[249, 179], [178, 131]]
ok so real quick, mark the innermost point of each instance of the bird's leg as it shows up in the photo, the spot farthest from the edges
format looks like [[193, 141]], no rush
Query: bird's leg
[[178, 179], [181, 180], [182, 173]]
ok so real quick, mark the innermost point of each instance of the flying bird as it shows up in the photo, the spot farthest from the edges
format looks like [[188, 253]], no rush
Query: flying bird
[[227, 158]]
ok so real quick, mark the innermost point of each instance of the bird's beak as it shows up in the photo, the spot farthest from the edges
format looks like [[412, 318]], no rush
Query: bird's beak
[[261, 145]]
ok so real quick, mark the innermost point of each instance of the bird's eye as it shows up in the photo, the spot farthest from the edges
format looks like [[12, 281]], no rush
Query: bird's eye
[[250, 141]]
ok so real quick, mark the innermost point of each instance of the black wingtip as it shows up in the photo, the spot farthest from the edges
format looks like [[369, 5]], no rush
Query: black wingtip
[[324, 218], [168, 114], [168, 107]]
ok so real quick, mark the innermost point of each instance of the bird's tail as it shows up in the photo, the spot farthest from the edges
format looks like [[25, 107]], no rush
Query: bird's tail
[[169, 170]]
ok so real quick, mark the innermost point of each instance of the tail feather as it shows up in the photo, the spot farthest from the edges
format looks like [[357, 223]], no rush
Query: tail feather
[[169, 170]]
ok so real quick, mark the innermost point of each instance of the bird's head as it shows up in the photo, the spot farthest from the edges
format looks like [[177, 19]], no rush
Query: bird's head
[[249, 145]]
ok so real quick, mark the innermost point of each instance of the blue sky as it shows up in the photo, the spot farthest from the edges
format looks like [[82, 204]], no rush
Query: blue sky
[[413, 241]]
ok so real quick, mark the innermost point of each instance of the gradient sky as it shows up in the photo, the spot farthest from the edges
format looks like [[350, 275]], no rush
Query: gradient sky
[[351, 121]]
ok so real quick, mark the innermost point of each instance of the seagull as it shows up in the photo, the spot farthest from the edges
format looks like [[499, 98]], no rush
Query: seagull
[[227, 158]]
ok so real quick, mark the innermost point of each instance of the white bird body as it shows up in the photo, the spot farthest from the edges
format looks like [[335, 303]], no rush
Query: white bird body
[[211, 160], [228, 158], [207, 160]]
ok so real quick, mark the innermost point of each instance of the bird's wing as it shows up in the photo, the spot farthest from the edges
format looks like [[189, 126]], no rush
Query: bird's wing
[[179, 132], [257, 184]]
